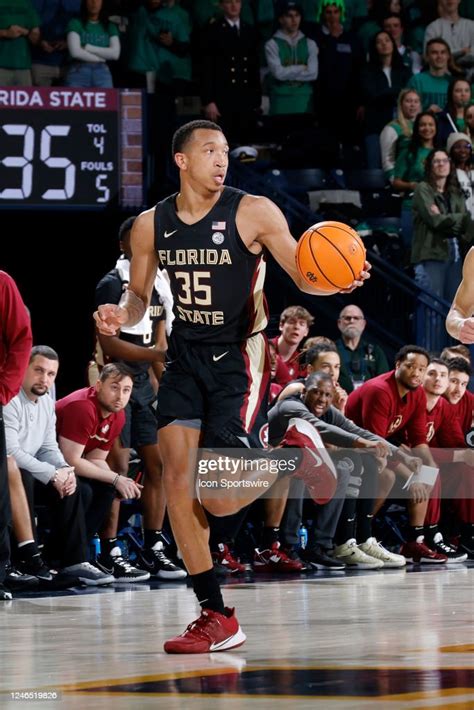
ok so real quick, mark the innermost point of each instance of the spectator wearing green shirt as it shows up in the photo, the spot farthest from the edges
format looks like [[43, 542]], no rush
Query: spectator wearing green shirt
[[292, 61], [92, 40], [440, 219], [432, 85], [397, 133], [19, 29], [410, 167]]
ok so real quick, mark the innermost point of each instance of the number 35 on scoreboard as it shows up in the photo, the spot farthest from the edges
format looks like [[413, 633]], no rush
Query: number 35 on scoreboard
[[67, 147]]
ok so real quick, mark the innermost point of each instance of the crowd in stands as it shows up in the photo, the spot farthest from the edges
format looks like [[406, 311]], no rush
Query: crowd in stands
[[387, 82]]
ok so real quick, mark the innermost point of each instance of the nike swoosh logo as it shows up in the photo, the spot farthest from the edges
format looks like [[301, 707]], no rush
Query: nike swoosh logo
[[145, 563], [219, 357], [168, 234]]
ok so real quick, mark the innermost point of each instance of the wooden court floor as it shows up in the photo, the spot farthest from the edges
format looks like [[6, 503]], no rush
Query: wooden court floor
[[391, 639]]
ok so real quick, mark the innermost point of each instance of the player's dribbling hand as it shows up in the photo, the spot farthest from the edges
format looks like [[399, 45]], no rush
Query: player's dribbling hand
[[364, 275], [110, 318]]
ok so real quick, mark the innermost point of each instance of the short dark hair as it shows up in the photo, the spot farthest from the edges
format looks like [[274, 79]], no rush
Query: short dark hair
[[43, 351], [407, 350], [458, 350], [438, 40], [184, 133], [125, 227], [459, 364], [315, 377], [316, 351], [438, 361], [115, 369]]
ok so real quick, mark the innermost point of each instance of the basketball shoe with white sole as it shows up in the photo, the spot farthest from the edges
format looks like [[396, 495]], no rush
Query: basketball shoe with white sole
[[355, 558], [212, 631], [375, 549]]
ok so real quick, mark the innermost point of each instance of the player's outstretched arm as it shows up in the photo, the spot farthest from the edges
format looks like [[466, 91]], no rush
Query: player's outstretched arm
[[460, 323], [260, 220], [143, 265]]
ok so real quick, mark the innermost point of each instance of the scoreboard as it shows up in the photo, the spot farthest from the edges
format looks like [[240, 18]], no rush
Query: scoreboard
[[68, 147]]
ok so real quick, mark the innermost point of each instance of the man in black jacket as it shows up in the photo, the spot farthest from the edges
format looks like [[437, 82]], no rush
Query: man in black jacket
[[229, 78]]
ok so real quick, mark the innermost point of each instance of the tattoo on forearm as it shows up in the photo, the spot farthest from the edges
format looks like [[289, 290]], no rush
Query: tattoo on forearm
[[134, 306]]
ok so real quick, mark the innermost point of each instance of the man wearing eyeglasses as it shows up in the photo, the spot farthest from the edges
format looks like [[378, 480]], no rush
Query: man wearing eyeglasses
[[360, 359]]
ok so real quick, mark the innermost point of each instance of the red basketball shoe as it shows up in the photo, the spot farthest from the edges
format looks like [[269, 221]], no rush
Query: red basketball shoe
[[225, 559], [275, 560], [315, 467], [211, 632]]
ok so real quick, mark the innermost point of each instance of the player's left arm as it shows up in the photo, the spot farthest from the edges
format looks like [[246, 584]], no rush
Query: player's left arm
[[260, 221]]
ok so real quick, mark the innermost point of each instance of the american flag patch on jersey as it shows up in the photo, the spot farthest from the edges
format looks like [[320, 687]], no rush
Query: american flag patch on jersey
[[218, 225]]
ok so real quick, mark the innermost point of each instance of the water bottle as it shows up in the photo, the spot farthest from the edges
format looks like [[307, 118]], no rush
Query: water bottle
[[303, 537], [95, 547]]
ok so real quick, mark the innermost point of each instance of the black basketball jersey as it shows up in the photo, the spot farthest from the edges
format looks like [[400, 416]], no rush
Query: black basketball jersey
[[217, 283]]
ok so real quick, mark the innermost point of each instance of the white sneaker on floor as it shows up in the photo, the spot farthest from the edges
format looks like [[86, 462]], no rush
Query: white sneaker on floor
[[88, 574], [354, 557], [375, 549]]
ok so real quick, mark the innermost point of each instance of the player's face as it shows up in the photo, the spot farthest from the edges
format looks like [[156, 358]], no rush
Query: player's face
[[411, 105], [293, 330], [458, 382], [206, 159], [327, 362], [410, 372], [436, 379], [40, 376], [319, 398], [351, 322], [113, 394], [437, 56]]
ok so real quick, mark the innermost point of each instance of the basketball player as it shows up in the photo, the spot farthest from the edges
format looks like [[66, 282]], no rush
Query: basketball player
[[460, 322], [212, 241]]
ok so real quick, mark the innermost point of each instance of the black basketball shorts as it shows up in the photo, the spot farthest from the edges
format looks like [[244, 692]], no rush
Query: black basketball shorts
[[222, 389]]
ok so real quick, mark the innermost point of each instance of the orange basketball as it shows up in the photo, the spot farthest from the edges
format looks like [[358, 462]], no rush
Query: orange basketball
[[330, 255]]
